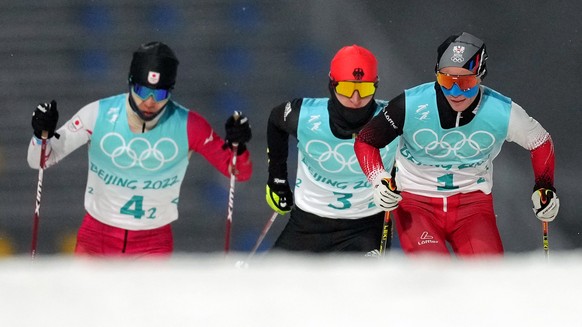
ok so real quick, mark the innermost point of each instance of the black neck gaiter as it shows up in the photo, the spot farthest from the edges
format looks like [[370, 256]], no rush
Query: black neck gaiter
[[345, 122]]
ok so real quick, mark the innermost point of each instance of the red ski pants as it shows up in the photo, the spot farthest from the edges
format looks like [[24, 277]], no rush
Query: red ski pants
[[98, 239], [466, 221]]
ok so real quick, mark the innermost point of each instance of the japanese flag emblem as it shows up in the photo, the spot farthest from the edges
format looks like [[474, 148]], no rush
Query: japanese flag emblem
[[153, 77], [76, 124]]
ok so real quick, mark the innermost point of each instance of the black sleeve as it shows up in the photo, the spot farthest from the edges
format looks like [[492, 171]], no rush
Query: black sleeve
[[283, 122], [387, 125]]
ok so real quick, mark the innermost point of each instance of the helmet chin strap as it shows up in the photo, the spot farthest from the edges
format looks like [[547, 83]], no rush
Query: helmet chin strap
[[135, 109]]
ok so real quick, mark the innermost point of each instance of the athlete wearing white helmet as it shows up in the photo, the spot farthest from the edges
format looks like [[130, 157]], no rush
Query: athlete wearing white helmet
[[450, 131]]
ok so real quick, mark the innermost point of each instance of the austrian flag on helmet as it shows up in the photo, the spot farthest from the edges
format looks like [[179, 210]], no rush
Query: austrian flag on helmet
[[354, 63], [463, 50]]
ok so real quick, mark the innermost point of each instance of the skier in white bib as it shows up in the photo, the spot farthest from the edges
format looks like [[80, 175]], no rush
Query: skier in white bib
[[140, 143], [450, 133], [332, 208]]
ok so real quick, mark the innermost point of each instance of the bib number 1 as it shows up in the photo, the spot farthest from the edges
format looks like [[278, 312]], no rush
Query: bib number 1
[[447, 180]]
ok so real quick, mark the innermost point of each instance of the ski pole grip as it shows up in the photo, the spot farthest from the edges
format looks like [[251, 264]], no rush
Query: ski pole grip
[[235, 116]]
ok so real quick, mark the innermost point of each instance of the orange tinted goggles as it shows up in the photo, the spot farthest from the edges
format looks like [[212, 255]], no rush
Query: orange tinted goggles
[[365, 89], [465, 82]]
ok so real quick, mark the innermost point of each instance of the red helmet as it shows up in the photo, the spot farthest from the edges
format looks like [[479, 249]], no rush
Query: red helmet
[[354, 63]]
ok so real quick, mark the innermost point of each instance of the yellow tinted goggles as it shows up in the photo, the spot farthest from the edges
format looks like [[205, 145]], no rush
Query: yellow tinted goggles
[[346, 88]]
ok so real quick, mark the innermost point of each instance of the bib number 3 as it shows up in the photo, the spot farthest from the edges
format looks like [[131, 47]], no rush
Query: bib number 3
[[343, 199]]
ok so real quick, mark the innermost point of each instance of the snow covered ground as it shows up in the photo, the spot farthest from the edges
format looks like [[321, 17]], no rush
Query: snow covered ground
[[209, 290]]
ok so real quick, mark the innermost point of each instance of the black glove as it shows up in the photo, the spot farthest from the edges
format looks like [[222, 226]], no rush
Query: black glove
[[238, 130], [45, 118], [279, 195]]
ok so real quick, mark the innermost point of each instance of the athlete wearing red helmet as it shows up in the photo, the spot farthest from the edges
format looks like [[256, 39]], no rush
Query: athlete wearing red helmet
[[332, 207]]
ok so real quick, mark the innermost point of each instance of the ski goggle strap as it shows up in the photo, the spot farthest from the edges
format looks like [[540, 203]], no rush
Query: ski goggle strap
[[144, 93], [465, 82], [346, 88]]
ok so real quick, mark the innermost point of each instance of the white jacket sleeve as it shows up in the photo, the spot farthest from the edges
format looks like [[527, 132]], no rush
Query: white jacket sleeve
[[73, 134], [524, 130]]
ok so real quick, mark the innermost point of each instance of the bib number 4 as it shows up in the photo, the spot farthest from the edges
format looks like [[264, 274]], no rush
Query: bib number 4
[[134, 208]]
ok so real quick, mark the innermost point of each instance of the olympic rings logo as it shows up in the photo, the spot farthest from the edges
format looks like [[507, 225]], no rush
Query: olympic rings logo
[[457, 58], [138, 151], [454, 142], [334, 160], [458, 51]]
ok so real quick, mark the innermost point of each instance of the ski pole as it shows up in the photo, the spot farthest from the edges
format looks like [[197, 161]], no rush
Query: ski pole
[[38, 195], [245, 263], [545, 228], [385, 230], [263, 234], [231, 193]]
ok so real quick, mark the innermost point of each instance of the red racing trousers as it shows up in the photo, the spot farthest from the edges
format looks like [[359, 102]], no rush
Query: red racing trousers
[[466, 221], [95, 238]]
